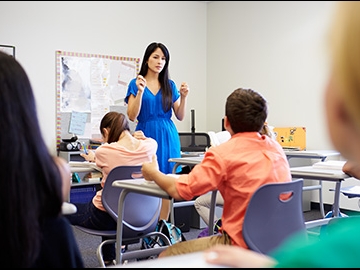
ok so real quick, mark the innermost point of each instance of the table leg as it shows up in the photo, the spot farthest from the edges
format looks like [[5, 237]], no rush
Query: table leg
[[336, 206], [172, 214]]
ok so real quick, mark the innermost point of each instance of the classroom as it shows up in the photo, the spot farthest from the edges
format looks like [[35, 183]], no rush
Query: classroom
[[276, 48]]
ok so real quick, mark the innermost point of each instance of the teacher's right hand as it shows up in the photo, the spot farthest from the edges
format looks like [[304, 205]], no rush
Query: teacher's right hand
[[140, 83]]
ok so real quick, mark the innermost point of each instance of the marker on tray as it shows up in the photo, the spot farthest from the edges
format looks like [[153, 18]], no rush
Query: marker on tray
[[85, 149]]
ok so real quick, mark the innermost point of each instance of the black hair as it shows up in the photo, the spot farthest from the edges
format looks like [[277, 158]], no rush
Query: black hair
[[164, 74], [31, 185]]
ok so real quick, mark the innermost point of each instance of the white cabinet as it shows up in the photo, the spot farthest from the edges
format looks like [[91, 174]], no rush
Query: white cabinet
[[71, 155]]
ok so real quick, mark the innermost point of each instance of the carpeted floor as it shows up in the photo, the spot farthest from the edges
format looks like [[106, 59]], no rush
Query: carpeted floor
[[89, 243]]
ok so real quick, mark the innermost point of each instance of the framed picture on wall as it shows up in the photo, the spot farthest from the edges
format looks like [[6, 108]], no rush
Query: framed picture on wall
[[8, 49]]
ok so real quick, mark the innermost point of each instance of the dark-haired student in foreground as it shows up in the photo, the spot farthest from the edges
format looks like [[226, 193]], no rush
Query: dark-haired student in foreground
[[339, 248], [35, 234]]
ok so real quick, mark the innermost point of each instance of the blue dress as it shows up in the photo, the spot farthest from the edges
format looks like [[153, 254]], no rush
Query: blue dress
[[157, 124]]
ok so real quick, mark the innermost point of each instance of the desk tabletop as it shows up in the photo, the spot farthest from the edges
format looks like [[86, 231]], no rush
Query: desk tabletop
[[190, 260], [187, 160], [191, 160], [192, 154], [140, 185], [311, 153], [81, 169], [83, 166], [318, 173]]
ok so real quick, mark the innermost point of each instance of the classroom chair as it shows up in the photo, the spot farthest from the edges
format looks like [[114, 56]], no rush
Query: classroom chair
[[141, 215], [270, 219], [194, 141]]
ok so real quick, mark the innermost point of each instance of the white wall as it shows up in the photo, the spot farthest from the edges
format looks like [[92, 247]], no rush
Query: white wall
[[276, 48]]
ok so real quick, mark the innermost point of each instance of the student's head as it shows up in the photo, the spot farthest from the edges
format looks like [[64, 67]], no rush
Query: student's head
[[112, 125], [245, 110], [342, 95], [31, 189]]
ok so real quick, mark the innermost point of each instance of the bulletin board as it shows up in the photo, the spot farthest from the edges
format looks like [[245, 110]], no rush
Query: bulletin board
[[292, 138], [88, 86]]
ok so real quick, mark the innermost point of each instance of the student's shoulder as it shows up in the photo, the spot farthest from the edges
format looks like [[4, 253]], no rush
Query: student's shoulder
[[104, 149], [59, 223], [150, 141]]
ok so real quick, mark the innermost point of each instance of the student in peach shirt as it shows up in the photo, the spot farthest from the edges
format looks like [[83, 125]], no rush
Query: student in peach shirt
[[120, 148]]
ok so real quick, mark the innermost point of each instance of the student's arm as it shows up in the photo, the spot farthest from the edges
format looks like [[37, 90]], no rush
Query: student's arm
[[352, 168], [134, 102], [134, 105], [65, 173], [150, 171], [234, 256]]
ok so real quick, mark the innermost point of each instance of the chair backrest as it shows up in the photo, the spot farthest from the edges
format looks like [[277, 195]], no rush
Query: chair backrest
[[194, 141], [270, 219], [141, 212]]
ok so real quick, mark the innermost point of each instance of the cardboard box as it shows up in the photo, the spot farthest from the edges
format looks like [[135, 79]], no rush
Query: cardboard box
[[293, 138]]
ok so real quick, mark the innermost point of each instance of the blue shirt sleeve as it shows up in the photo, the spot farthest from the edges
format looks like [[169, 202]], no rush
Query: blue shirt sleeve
[[175, 91], [132, 89]]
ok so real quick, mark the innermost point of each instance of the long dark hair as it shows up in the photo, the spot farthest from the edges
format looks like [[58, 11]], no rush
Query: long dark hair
[[31, 182], [163, 76], [116, 123]]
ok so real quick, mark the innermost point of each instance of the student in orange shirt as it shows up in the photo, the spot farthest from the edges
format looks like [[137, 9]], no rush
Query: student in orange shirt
[[202, 203], [235, 168]]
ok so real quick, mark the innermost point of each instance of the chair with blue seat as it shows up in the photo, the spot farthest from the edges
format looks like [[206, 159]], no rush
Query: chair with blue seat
[[274, 213], [141, 215]]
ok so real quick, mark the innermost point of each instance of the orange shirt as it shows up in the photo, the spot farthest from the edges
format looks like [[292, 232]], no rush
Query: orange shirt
[[111, 155], [236, 168]]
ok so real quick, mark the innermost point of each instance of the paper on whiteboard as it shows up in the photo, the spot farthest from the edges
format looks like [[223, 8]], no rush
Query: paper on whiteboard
[[77, 123]]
